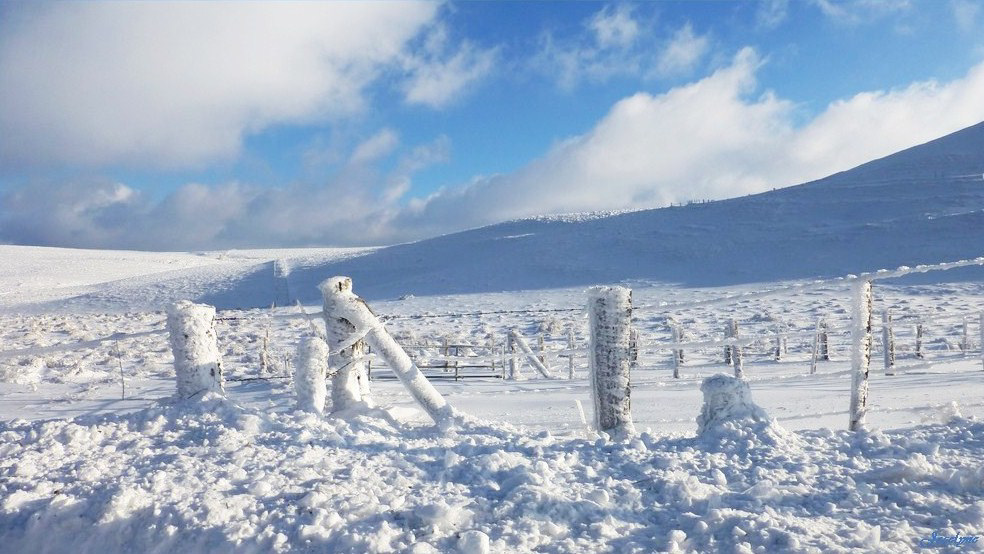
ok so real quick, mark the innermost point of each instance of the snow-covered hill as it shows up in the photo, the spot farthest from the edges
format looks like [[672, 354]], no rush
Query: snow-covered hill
[[921, 205]]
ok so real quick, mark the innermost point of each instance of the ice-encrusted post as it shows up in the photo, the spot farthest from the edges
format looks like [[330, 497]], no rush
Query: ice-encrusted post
[[860, 352], [982, 336], [965, 341], [888, 341], [349, 350], [816, 349], [919, 336], [519, 341], [730, 331], [513, 359], [570, 354], [342, 304], [310, 375], [678, 352], [824, 344], [197, 361], [610, 321]]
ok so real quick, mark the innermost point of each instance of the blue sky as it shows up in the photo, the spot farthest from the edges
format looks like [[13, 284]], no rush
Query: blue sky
[[220, 125]]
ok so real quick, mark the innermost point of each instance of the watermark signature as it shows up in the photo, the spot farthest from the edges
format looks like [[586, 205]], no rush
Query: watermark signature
[[939, 539]]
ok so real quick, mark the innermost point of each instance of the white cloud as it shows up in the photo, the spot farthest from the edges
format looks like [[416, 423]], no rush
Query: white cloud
[[966, 13], [375, 147], [682, 51], [771, 13], [614, 27], [180, 84], [619, 44], [854, 12], [440, 72], [715, 138]]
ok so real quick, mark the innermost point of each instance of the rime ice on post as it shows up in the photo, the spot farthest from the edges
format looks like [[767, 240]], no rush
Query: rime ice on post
[[888, 341], [982, 336], [349, 379], [860, 353], [519, 341], [677, 354], [726, 399], [197, 362], [610, 315], [310, 375], [342, 304]]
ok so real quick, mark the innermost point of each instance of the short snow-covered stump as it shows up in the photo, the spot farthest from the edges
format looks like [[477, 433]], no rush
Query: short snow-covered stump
[[729, 413], [197, 361], [310, 374]]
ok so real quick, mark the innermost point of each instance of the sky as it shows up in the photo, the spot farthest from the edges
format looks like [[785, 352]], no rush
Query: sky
[[218, 125]]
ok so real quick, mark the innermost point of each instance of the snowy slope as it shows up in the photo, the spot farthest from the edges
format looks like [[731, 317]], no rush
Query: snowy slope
[[921, 205]]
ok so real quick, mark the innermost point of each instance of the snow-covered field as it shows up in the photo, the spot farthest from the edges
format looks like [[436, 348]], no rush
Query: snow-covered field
[[95, 456]]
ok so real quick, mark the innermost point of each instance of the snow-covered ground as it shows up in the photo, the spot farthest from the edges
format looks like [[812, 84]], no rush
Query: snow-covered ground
[[95, 456]]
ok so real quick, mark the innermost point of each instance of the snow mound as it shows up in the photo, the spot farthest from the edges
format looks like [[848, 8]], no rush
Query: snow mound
[[728, 410]]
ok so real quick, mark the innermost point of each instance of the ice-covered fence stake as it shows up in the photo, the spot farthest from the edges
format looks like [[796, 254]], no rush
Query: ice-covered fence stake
[[919, 336], [860, 353], [309, 378], [965, 341], [816, 348], [982, 336], [634, 348], [888, 341], [824, 343], [677, 354], [541, 349], [570, 356], [342, 303], [343, 330], [197, 362], [610, 321], [519, 341], [514, 373], [736, 360], [730, 331]]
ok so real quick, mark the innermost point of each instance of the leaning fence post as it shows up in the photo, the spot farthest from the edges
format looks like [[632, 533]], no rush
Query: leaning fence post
[[197, 361], [888, 341], [342, 304], [310, 375], [349, 381], [610, 316], [518, 340], [860, 353]]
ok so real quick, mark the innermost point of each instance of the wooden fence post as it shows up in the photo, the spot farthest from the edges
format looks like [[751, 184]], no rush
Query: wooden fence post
[[816, 348], [860, 353], [982, 336], [965, 342], [677, 352], [888, 342], [513, 358], [349, 377], [610, 320], [780, 341], [197, 361], [341, 304], [919, 336], [729, 331], [824, 342], [519, 341], [541, 349], [570, 355], [309, 378], [634, 348]]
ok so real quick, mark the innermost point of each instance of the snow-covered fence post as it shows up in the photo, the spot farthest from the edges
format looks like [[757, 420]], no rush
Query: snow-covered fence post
[[610, 321], [197, 361], [310, 375], [965, 341], [570, 353], [730, 331], [343, 305], [816, 348], [736, 360], [541, 349], [634, 348], [888, 341], [860, 352], [513, 358], [780, 341], [823, 342], [519, 341], [919, 336], [265, 353], [349, 381], [677, 352], [982, 336]]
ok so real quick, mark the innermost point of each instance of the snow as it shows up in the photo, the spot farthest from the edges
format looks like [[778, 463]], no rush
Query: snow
[[97, 454], [309, 378]]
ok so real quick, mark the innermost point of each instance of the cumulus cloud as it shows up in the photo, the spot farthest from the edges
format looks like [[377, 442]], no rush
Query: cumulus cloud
[[716, 138], [966, 14], [617, 42], [720, 136], [178, 85], [440, 71]]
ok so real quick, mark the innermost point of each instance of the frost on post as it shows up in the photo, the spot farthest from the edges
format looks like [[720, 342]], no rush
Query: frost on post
[[197, 362], [341, 304], [349, 382], [310, 375], [860, 353], [610, 314], [726, 399]]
